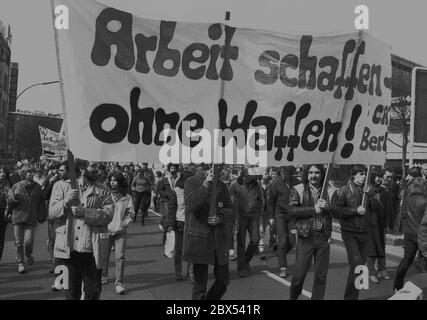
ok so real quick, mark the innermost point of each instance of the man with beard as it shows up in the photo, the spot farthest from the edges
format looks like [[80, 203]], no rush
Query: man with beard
[[314, 227], [27, 200], [82, 216]]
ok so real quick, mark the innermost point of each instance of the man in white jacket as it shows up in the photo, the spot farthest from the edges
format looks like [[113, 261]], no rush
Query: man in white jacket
[[82, 217]]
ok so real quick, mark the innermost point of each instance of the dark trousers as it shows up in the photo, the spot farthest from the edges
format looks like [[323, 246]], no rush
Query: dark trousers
[[3, 225], [142, 202], [82, 269], [356, 245], [217, 289], [315, 245], [285, 240], [179, 241], [250, 225], [409, 254]]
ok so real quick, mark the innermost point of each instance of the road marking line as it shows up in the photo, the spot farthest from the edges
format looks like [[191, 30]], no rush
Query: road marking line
[[285, 282], [159, 215]]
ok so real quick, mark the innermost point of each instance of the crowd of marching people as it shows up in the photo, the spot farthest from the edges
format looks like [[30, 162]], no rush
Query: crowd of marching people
[[213, 211]]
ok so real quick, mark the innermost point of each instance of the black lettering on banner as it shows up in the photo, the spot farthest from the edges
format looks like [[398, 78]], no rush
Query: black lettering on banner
[[155, 120], [104, 39], [215, 32], [145, 115], [309, 131], [332, 129], [268, 59], [352, 81], [228, 52], [347, 149], [104, 112], [144, 44], [307, 64], [199, 125], [294, 140], [289, 61], [196, 73], [364, 74], [250, 110], [164, 53], [281, 141], [162, 118], [331, 62], [349, 47]]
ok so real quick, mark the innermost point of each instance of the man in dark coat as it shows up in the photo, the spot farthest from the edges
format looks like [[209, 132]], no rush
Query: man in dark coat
[[204, 236], [355, 220]]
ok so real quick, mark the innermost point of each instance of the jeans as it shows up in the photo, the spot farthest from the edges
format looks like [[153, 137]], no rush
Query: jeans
[[82, 269], [285, 240], [356, 245], [315, 245], [251, 225], [411, 247], [24, 237], [3, 226], [218, 288], [119, 242]]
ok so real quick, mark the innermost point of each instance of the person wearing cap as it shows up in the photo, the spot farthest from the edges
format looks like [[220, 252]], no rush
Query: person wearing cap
[[27, 200], [82, 216]]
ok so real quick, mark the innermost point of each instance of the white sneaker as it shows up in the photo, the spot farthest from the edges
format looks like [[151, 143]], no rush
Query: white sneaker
[[104, 280], [120, 289], [21, 268]]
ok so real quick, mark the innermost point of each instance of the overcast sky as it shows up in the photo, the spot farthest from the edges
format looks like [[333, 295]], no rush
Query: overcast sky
[[402, 24]]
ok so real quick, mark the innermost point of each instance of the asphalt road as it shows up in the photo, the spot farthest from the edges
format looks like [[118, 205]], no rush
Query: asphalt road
[[150, 276]]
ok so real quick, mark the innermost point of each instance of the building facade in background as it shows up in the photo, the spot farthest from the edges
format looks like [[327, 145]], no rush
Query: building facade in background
[[26, 142], [5, 55], [13, 92]]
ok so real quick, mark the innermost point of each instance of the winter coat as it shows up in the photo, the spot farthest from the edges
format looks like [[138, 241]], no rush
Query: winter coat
[[27, 202], [202, 241], [90, 232]]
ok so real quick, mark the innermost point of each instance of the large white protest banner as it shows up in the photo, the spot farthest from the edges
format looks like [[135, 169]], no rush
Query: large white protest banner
[[318, 99], [53, 144]]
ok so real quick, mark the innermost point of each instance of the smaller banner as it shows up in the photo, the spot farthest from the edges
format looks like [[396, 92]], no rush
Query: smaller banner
[[53, 144]]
